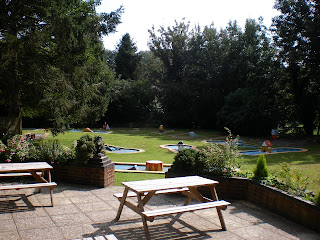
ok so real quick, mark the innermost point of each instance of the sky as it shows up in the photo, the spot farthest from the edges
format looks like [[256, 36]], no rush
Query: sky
[[140, 15]]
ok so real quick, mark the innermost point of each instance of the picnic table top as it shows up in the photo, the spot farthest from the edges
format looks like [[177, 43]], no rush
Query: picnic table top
[[168, 183], [18, 167]]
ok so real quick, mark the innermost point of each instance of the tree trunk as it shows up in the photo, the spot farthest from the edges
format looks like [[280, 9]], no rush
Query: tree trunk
[[14, 113]]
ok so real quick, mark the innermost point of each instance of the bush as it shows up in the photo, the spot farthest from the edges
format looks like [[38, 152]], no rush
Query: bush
[[84, 149], [222, 159], [189, 162], [52, 151], [261, 171], [317, 199], [18, 149]]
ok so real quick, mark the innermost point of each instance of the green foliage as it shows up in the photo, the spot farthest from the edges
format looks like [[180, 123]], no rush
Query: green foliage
[[290, 181], [52, 152], [201, 69], [222, 159], [127, 59], [17, 149], [189, 162], [317, 199], [296, 34], [132, 101], [261, 170], [53, 64], [84, 149]]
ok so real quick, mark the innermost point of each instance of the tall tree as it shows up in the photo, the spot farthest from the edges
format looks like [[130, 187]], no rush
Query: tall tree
[[297, 32], [52, 61], [170, 46], [127, 59]]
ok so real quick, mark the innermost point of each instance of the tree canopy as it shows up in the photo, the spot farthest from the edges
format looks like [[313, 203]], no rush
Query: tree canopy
[[297, 36], [53, 61]]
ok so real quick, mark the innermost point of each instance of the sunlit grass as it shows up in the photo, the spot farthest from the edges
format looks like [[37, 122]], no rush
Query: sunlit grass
[[306, 163]]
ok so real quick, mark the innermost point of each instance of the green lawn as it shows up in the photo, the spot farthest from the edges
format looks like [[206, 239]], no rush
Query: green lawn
[[307, 163]]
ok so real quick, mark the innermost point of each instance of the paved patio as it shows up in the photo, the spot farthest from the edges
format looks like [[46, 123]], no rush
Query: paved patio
[[82, 211]]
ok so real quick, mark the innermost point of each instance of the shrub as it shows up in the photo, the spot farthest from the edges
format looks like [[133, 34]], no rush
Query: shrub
[[52, 151], [18, 149], [317, 199], [261, 170], [189, 162], [222, 159], [84, 149]]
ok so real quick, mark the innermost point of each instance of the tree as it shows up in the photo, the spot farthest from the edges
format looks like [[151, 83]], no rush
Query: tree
[[52, 61], [297, 32], [171, 48], [249, 106], [127, 59]]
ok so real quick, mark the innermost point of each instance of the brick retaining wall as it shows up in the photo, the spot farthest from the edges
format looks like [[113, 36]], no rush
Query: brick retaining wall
[[98, 172]]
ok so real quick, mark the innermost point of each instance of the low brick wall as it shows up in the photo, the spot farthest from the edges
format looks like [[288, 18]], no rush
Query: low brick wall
[[296, 209], [98, 172]]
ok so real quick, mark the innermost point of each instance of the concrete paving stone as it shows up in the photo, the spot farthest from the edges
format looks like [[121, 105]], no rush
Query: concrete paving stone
[[81, 191], [102, 216], [113, 203], [52, 233], [78, 231], [288, 235], [62, 210], [70, 219], [224, 235], [56, 201], [95, 206], [105, 196], [33, 223], [45, 193], [9, 236], [36, 212], [5, 216], [7, 225], [84, 199], [258, 233]]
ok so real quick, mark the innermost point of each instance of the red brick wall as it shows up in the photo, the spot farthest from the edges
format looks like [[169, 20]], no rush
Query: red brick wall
[[99, 174]]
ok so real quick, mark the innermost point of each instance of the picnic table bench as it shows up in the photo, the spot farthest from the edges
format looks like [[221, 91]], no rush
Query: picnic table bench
[[144, 190], [38, 170]]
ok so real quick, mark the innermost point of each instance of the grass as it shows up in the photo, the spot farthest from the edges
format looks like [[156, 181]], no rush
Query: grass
[[306, 163]]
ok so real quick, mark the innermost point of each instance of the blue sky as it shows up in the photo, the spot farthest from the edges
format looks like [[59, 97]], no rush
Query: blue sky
[[141, 15]]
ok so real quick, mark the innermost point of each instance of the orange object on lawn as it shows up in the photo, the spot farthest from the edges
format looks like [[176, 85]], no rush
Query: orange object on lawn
[[154, 165]]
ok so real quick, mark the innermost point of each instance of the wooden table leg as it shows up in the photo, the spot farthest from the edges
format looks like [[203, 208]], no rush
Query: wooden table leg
[[51, 193], [123, 200], [215, 197], [144, 219]]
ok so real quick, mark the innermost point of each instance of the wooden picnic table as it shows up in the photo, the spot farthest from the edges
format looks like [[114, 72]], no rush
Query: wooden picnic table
[[38, 170], [144, 190]]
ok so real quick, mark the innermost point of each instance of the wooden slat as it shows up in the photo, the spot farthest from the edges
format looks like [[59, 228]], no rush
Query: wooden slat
[[111, 237], [24, 167], [187, 208], [99, 238], [168, 183], [17, 174], [23, 186], [133, 194]]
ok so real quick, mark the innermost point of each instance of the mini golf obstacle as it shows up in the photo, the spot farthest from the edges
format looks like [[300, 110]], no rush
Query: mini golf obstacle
[[154, 165], [273, 151], [142, 167], [114, 149]]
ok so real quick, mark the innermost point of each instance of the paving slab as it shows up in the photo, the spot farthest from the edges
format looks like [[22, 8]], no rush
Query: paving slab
[[83, 211]]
